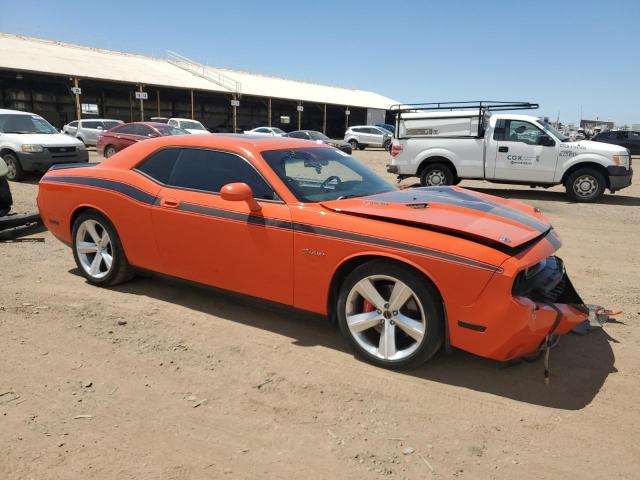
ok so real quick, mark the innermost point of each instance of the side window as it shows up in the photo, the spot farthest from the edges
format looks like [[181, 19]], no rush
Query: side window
[[520, 131], [126, 130], [91, 124], [262, 130], [209, 171], [359, 130], [634, 135], [498, 131], [73, 124], [144, 130], [160, 164], [621, 135], [298, 135]]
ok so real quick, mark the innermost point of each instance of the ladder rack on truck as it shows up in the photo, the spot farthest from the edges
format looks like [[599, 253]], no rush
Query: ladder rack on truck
[[483, 106]]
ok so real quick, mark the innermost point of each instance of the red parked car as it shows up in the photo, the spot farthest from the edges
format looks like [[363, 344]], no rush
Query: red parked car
[[121, 136]]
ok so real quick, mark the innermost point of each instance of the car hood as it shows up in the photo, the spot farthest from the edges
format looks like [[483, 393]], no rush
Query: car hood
[[587, 146], [45, 139], [476, 216]]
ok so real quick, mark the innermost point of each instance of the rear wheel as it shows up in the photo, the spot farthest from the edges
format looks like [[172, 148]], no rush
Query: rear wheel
[[15, 172], [109, 150], [353, 143], [585, 185], [97, 250], [390, 315], [435, 175]]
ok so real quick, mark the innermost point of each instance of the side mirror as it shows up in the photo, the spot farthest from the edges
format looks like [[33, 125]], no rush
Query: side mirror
[[240, 192], [546, 141]]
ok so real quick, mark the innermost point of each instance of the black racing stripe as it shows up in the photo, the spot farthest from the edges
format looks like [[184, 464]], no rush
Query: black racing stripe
[[258, 220], [553, 240], [449, 196], [329, 232], [241, 217], [123, 188], [471, 326]]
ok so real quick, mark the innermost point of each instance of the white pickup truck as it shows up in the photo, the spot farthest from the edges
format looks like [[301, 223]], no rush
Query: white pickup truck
[[444, 143]]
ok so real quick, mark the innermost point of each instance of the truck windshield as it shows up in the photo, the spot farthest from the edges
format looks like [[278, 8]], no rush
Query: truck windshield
[[322, 174], [556, 133]]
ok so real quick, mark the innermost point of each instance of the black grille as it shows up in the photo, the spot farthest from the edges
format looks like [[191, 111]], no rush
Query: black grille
[[61, 149]]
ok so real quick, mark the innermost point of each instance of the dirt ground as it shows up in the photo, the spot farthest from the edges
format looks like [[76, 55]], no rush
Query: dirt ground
[[200, 385]]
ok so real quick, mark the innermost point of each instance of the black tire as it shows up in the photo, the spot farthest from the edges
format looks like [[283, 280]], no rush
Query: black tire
[[121, 270], [387, 145], [16, 173], [424, 291], [354, 144], [361, 147], [109, 151], [438, 171], [585, 185]]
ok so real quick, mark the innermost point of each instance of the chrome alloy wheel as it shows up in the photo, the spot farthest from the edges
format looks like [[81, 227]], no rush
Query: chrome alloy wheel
[[94, 248], [585, 185], [436, 178], [385, 317]]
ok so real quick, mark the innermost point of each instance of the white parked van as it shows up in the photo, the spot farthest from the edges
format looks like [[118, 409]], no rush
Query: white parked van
[[446, 142], [29, 143]]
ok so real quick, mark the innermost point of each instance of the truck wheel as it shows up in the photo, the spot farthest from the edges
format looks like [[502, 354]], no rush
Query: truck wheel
[[435, 175], [387, 145], [354, 144], [585, 185], [361, 147], [15, 173]]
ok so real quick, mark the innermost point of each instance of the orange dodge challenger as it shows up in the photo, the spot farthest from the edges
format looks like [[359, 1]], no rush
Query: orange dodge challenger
[[303, 224]]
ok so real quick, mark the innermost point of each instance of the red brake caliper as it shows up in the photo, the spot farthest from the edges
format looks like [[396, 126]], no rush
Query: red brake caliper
[[367, 306]]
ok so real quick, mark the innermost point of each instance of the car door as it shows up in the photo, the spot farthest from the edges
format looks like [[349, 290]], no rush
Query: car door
[[89, 131], [634, 142], [374, 137], [206, 239], [520, 156], [71, 128]]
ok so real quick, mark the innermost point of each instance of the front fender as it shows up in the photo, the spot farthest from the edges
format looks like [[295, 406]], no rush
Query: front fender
[[567, 162]]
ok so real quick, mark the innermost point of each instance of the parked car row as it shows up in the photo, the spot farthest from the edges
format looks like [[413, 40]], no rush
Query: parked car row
[[121, 136]]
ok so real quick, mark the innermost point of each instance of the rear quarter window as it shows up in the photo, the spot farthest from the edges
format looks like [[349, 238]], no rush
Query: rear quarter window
[[160, 164]]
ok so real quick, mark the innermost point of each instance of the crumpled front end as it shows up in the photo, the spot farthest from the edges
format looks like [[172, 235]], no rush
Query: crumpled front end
[[542, 303]]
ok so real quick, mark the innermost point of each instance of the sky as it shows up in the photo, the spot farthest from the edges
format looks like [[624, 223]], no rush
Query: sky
[[568, 56]]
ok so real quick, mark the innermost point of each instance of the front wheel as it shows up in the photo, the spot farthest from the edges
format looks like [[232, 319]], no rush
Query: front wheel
[[585, 185], [98, 252], [15, 172], [354, 144], [436, 175], [391, 316]]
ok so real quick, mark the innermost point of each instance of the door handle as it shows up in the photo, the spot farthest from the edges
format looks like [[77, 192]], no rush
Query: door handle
[[503, 149], [169, 202]]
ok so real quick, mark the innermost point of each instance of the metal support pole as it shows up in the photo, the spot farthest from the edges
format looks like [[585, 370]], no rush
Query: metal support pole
[[299, 117], [235, 115], [192, 106], [141, 106], [346, 119], [324, 119], [78, 111], [130, 107], [158, 101], [269, 108]]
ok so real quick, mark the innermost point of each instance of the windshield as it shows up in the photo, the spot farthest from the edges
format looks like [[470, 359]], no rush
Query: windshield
[[317, 136], [321, 174], [560, 136], [169, 130], [16, 123], [191, 124], [279, 132]]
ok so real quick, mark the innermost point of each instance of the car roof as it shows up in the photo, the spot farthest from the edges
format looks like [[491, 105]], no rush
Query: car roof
[[148, 124], [187, 119], [20, 112]]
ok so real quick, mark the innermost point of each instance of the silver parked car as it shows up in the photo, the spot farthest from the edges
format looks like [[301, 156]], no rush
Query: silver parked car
[[363, 136], [88, 131]]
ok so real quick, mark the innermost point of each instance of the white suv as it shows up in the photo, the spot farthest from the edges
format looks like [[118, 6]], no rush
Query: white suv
[[363, 136], [29, 143]]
